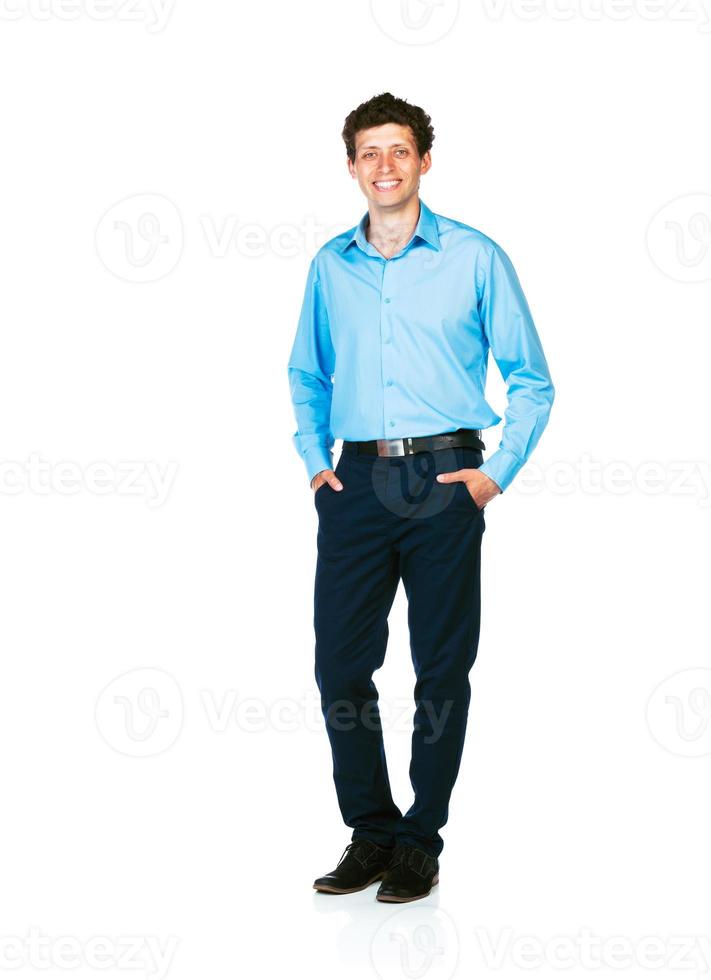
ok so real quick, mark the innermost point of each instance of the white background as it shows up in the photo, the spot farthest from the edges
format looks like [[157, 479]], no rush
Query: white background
[[165, 772]]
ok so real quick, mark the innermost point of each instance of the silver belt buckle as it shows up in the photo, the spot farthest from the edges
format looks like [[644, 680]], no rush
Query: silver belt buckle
[[391, 447]]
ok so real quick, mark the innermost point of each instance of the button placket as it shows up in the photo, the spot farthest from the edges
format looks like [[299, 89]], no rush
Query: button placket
[[386, 339]]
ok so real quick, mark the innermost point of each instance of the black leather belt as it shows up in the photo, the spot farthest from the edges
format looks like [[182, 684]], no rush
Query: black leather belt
[[417, 444]]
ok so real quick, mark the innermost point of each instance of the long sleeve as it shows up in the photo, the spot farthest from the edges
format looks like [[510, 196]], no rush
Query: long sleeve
[[518, 353], [310, 369]]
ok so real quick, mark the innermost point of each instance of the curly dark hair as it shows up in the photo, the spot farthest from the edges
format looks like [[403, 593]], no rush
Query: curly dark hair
[[385, 108]]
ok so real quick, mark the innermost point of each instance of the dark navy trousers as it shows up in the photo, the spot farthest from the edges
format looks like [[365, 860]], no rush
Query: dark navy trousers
[[393, 521]]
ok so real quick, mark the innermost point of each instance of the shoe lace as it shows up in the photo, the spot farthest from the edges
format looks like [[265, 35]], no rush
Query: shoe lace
[[399, 856], [351, 848], [402, 855]]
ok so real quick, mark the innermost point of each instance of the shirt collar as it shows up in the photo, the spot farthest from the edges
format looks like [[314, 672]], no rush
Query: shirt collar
[[426, 229]]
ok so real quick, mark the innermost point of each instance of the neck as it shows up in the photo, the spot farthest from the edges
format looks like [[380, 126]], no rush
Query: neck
[[392, 225]]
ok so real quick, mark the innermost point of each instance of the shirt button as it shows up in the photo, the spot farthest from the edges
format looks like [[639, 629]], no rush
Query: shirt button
[[388, 382], [387, 300], [391, 422]]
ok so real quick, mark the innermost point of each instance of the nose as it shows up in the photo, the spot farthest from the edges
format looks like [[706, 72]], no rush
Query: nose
[[386, 166]]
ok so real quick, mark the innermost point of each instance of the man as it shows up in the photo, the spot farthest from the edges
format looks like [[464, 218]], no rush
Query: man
[[390, 355]]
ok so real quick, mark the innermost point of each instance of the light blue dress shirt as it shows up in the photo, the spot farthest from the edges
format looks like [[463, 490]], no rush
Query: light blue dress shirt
[[390, 348]]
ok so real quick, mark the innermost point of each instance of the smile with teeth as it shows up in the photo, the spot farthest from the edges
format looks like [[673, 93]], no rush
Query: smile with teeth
[[386, 185]]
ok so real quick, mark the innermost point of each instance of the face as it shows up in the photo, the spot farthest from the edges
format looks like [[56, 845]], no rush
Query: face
[[387, 165]]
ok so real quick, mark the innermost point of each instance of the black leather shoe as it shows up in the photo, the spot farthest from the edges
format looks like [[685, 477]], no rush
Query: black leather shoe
[[409, 876], [362, 863]]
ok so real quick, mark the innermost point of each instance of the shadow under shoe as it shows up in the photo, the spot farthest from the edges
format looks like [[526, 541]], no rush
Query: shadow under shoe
[[409, 876], [361, 864]]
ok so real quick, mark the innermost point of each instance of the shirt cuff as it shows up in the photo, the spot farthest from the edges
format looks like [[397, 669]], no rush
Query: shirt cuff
[[502, 467], [317, 458]]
